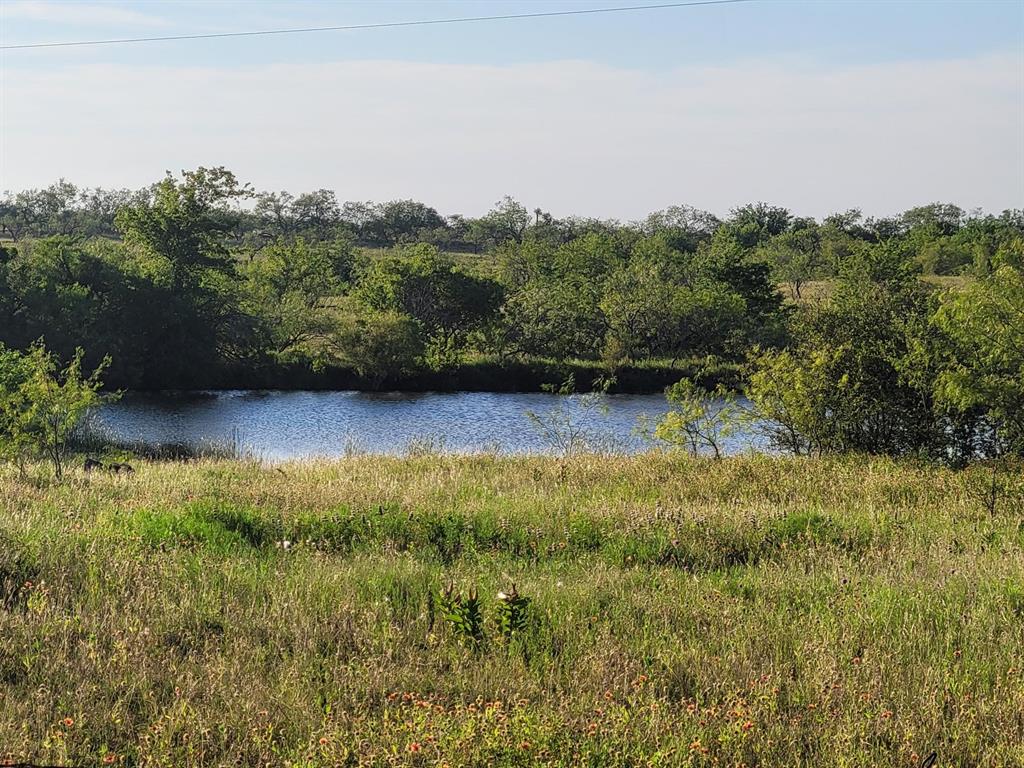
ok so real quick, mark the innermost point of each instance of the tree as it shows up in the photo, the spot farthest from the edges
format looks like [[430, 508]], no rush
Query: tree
[[41, 405], [571, 426], [16, 441], [287, 286], [420, 282], [723, 260], [379, 346], [178, 238], [316, 213], [555, 317], [754, 223], [402, 221], [508, 220], [686, 225], [852, 381], [795, 256], [276, 212], [935, 219], [185, 223], [698, 418], [985, 321]]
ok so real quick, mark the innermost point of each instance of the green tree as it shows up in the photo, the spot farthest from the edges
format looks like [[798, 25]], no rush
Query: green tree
[[287, 288], [852, 381], [508, 220], [795, 257], [698, 419], [425, 285], [379, 345], [178, 238], [985, 321], [186, 223], [42, 405]]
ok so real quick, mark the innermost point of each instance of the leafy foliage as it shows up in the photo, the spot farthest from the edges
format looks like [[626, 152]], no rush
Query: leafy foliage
[[42, 405]]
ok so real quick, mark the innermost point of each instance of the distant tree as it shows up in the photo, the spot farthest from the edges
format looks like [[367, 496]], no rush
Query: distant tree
[[421, 283], [316, 214], [275, 213], [935, 219], [178, 239], [754, 223], [287, 287], [186, 222], [724, 260], [379, 345], [554, 317], [686, 225], [508, 220], [402, 221], [795, 256]]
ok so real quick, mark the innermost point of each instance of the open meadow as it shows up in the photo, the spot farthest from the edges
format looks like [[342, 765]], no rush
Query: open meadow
[[670, 611]]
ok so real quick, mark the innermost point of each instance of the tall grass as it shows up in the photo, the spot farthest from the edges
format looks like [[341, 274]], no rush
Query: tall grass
[[753, 611]]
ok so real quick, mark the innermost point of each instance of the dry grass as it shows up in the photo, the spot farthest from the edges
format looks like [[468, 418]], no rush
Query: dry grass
[[821, 290], [754, 611]]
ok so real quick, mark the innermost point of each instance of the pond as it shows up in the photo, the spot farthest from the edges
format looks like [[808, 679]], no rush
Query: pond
[[276, 425]]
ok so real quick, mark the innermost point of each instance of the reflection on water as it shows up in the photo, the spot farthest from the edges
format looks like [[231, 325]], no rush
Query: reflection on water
[[287, 425]]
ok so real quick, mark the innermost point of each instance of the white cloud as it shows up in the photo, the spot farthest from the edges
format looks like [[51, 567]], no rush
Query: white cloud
[[75, 13], [572, 137]]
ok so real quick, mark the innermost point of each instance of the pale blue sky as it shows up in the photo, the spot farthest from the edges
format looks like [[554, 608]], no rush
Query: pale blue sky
[[609, 115]]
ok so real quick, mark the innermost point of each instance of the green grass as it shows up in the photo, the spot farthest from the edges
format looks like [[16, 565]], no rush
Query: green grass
[[753, 611]]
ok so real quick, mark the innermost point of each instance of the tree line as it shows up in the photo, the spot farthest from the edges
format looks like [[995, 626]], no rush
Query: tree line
[[199, 280]]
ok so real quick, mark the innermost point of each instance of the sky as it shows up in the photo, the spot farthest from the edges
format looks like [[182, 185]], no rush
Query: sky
[[819, 105]]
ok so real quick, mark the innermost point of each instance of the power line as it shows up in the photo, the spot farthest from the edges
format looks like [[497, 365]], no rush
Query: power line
[[381, 25]]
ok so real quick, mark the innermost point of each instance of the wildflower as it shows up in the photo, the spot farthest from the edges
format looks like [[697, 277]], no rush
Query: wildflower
[[695, 745], [415, 747], [608, 695], [957, 653], [68, 722], [323, 740], [748, 725], [887, 714], [109, 759], [524, 745]]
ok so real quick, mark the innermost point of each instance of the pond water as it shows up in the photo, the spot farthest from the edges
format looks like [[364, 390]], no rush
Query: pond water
[[274, 425]]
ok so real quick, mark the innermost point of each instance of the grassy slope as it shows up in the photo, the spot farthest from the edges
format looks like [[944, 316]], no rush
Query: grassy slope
[[754, 611]]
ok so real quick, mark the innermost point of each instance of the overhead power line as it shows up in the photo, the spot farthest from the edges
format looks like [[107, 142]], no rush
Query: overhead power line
[[380, 25]]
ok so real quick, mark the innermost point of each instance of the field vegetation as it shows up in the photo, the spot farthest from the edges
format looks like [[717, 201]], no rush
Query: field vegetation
[[483, 610], [199, 281], [855, 599]]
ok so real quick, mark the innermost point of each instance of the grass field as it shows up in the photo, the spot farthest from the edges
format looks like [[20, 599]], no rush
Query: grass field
[[751, 612], [821, 290]]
